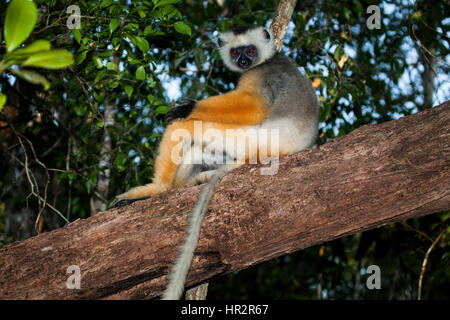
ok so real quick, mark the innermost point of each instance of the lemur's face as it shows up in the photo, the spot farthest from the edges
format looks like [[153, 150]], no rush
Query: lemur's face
[[244, 48], [244, 56]]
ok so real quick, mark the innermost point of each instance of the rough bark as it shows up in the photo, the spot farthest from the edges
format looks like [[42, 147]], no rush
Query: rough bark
[[376, 175], [281, 20]]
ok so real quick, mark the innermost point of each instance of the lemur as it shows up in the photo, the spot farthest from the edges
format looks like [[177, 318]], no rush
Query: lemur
[[271, 94]]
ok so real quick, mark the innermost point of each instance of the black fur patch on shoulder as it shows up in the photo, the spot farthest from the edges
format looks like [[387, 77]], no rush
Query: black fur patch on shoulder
[[181, 112]]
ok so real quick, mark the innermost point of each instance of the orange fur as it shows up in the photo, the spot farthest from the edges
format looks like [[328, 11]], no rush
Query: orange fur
[[233, 110], [165, 168], [235, 107], [242, 106]]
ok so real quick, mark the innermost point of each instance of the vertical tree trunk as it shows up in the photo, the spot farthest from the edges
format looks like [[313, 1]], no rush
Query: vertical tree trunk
[[427, 77], [281, 20], [98, 203]]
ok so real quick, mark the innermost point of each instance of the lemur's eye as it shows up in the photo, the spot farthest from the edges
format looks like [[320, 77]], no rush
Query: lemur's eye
[[251, 51], [234, 52]]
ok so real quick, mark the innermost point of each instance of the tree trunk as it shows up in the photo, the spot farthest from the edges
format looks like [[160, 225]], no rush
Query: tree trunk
[[98, 202], [376, 175], [427, 77], [281, 20]]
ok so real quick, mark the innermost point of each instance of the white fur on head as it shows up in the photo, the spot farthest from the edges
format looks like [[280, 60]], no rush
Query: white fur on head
[[253, 36]]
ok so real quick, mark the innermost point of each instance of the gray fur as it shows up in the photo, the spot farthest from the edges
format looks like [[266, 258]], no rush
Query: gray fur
[[286, 90]]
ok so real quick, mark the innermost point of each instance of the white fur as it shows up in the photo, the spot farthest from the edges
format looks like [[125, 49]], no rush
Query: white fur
[[238, 144], [256, 37]]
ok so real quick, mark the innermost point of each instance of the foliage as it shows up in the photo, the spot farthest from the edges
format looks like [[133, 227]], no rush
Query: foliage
[[133, 58], [20, 19]]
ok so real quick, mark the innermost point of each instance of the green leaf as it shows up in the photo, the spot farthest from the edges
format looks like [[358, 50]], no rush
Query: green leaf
[[129, 90], [132, 27], [142, 44], [182, 28], [141, 12], [80, 110], [165, 2], [98, 62], [91, 183], [76, 35], [72, 176], [338, 53], [111, 66], [99, 75], [105, 3], [155, 135], [80, 58], [113, 84], [149, 30], [140, 73], [53, 59], [161, 110], [416, 15], [32, 77], [37, 46], [20, 19], [113, 25], [152, 83], [2, 100], [132, 60], [99, 96], [165, 12], [121, 160]]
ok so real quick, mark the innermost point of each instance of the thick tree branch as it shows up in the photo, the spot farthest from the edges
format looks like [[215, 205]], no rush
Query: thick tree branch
[[377, 174]]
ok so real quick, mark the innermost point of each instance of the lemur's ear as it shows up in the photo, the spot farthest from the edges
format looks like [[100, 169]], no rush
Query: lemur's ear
[[220, 42], [266, 34]]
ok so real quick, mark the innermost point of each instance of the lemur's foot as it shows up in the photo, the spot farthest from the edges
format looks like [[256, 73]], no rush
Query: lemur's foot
[[118, 203], [138, 193]]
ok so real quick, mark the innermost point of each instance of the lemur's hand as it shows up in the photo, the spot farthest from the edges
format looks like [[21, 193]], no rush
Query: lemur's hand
[[183, 110]]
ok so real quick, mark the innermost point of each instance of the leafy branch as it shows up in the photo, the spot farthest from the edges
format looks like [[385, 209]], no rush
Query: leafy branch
[[20, 20]]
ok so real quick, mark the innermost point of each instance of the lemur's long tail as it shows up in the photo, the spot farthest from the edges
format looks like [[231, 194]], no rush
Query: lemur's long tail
[[180, 269]]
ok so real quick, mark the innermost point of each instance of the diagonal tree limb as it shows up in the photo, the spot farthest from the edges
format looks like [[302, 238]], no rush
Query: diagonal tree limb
[[376, 175]]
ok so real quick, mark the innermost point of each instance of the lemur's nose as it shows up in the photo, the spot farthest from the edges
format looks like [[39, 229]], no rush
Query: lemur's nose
[[243, 63]]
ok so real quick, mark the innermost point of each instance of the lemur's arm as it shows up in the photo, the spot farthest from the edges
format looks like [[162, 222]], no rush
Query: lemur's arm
[[235, 107]]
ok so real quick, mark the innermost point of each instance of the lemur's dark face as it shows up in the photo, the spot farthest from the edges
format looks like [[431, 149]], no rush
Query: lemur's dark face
[[244, 57], [245, 47]]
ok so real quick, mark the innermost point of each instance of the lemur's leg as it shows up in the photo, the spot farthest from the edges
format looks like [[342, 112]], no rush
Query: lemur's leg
[[165, 166]]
